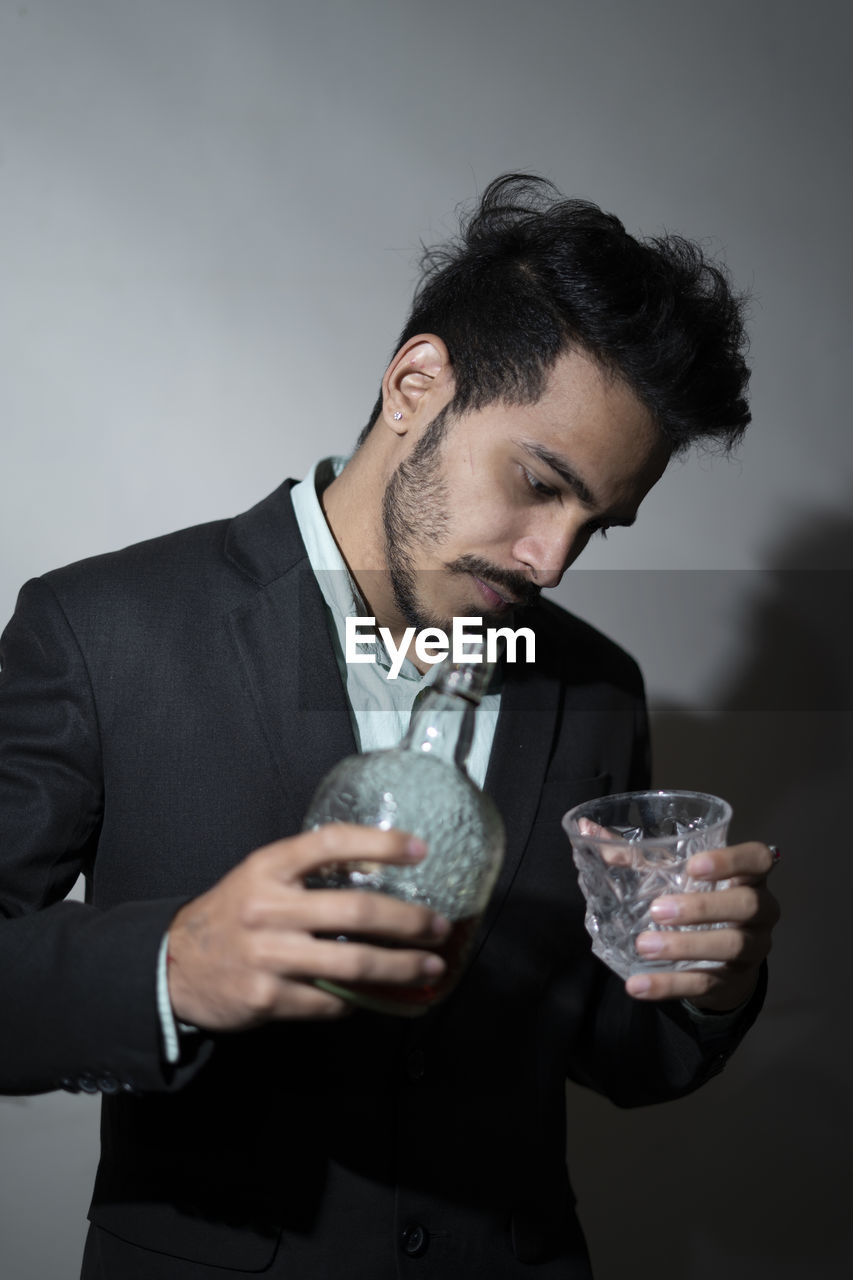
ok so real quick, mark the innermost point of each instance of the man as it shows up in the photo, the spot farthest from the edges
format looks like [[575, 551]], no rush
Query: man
[[168, 711]]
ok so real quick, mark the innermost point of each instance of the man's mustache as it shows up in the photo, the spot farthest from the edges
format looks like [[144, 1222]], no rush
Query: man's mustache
[[515, 586]]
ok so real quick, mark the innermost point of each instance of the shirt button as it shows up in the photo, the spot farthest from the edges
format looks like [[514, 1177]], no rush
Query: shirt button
[[415, 1065], [414, 1240]]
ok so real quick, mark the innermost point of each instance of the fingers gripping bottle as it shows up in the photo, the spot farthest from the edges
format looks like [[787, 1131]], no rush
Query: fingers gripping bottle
[[421, 786]]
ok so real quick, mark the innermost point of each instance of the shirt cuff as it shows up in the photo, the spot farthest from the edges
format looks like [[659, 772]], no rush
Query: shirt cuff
[[169, 1027], [707, 1017]]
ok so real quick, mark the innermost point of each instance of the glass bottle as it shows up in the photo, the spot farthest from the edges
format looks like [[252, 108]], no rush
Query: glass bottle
[[421, 786]]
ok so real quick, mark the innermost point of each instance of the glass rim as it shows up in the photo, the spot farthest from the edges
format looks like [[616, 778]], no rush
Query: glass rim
[[571, 816]]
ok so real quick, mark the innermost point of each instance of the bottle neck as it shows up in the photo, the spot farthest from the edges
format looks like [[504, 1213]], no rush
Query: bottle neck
[[442, 727]]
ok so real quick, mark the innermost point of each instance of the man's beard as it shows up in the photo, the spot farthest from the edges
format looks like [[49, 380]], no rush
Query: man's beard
[[414, 513]]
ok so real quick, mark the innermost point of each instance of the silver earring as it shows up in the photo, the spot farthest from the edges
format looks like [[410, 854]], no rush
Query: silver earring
[[397, 416]]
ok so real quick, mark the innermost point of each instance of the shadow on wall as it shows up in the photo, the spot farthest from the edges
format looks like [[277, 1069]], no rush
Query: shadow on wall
[[746, 1177]]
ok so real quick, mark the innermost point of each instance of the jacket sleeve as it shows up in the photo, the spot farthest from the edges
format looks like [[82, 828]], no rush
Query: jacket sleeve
[[637, 1053], [78, 997]]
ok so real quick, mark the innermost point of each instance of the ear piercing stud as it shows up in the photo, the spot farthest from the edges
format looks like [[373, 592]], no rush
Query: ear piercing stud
[[397, 416]]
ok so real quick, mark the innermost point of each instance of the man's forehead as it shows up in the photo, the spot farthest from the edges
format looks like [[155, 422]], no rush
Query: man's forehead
[[577, 379]]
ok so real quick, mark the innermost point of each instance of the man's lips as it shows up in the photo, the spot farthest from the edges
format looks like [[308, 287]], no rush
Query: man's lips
[[493, 599]]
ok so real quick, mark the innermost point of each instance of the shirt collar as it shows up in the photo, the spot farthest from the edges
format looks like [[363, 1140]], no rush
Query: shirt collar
[[337, 585]]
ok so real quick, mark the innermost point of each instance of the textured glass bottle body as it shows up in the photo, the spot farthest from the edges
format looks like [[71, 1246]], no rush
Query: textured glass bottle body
[[420, 786]]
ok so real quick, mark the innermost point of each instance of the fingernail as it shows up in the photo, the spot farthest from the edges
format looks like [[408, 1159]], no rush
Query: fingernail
[[638, 985], [664, 909], [416, 848], [650, 944], [701, 865], [433, 965], [440, 926]]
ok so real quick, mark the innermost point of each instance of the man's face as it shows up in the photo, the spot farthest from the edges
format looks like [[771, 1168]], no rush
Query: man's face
[[482, 515]]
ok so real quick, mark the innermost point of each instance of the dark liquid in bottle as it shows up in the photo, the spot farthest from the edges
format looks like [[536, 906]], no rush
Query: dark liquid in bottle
[[411, 1001]]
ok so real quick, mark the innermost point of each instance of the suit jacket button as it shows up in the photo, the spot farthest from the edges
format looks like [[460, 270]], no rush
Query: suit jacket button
[[108, 1084], [69, 1085], [414, 1240], [88, 1083], [415, 1065]]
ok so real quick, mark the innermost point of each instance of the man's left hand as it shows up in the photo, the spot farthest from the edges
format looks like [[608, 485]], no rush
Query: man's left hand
[[747, 908]]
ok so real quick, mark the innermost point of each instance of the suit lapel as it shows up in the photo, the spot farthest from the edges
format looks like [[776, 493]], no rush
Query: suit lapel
[[520, 753], [282, 638]]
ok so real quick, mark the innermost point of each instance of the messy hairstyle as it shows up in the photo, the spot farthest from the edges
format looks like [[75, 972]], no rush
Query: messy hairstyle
[[532, 275]]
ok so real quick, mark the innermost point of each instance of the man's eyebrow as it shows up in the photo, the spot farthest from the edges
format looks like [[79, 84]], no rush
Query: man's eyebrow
[[570, 477], [562, 468]]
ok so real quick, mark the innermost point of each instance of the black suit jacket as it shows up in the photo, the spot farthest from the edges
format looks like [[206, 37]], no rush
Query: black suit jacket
[[169, 708]]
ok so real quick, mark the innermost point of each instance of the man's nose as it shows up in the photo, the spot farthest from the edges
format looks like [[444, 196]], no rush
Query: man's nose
[[548, 553]]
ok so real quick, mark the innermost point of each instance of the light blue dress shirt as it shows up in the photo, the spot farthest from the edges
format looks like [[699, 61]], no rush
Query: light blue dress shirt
[[380, 708]]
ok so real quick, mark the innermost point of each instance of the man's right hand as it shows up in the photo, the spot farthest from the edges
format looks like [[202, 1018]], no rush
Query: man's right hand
[[247, 951]]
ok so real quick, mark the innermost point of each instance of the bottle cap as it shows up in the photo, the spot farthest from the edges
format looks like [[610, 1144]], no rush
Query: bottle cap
[[467, 679]]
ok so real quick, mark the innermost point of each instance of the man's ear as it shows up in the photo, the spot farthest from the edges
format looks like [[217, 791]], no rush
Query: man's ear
[[417, 383]]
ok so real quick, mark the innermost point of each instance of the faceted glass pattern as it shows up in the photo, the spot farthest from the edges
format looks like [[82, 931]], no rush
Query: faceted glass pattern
[[630, 849], [433, 800]]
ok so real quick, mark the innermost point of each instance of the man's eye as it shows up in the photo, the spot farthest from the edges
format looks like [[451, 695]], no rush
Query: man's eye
[[543, 490]]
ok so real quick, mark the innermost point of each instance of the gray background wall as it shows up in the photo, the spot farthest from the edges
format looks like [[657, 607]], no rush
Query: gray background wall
[[208, 212]]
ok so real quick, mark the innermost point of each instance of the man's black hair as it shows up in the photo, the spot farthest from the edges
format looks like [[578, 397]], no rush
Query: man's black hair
[[532, 275]]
